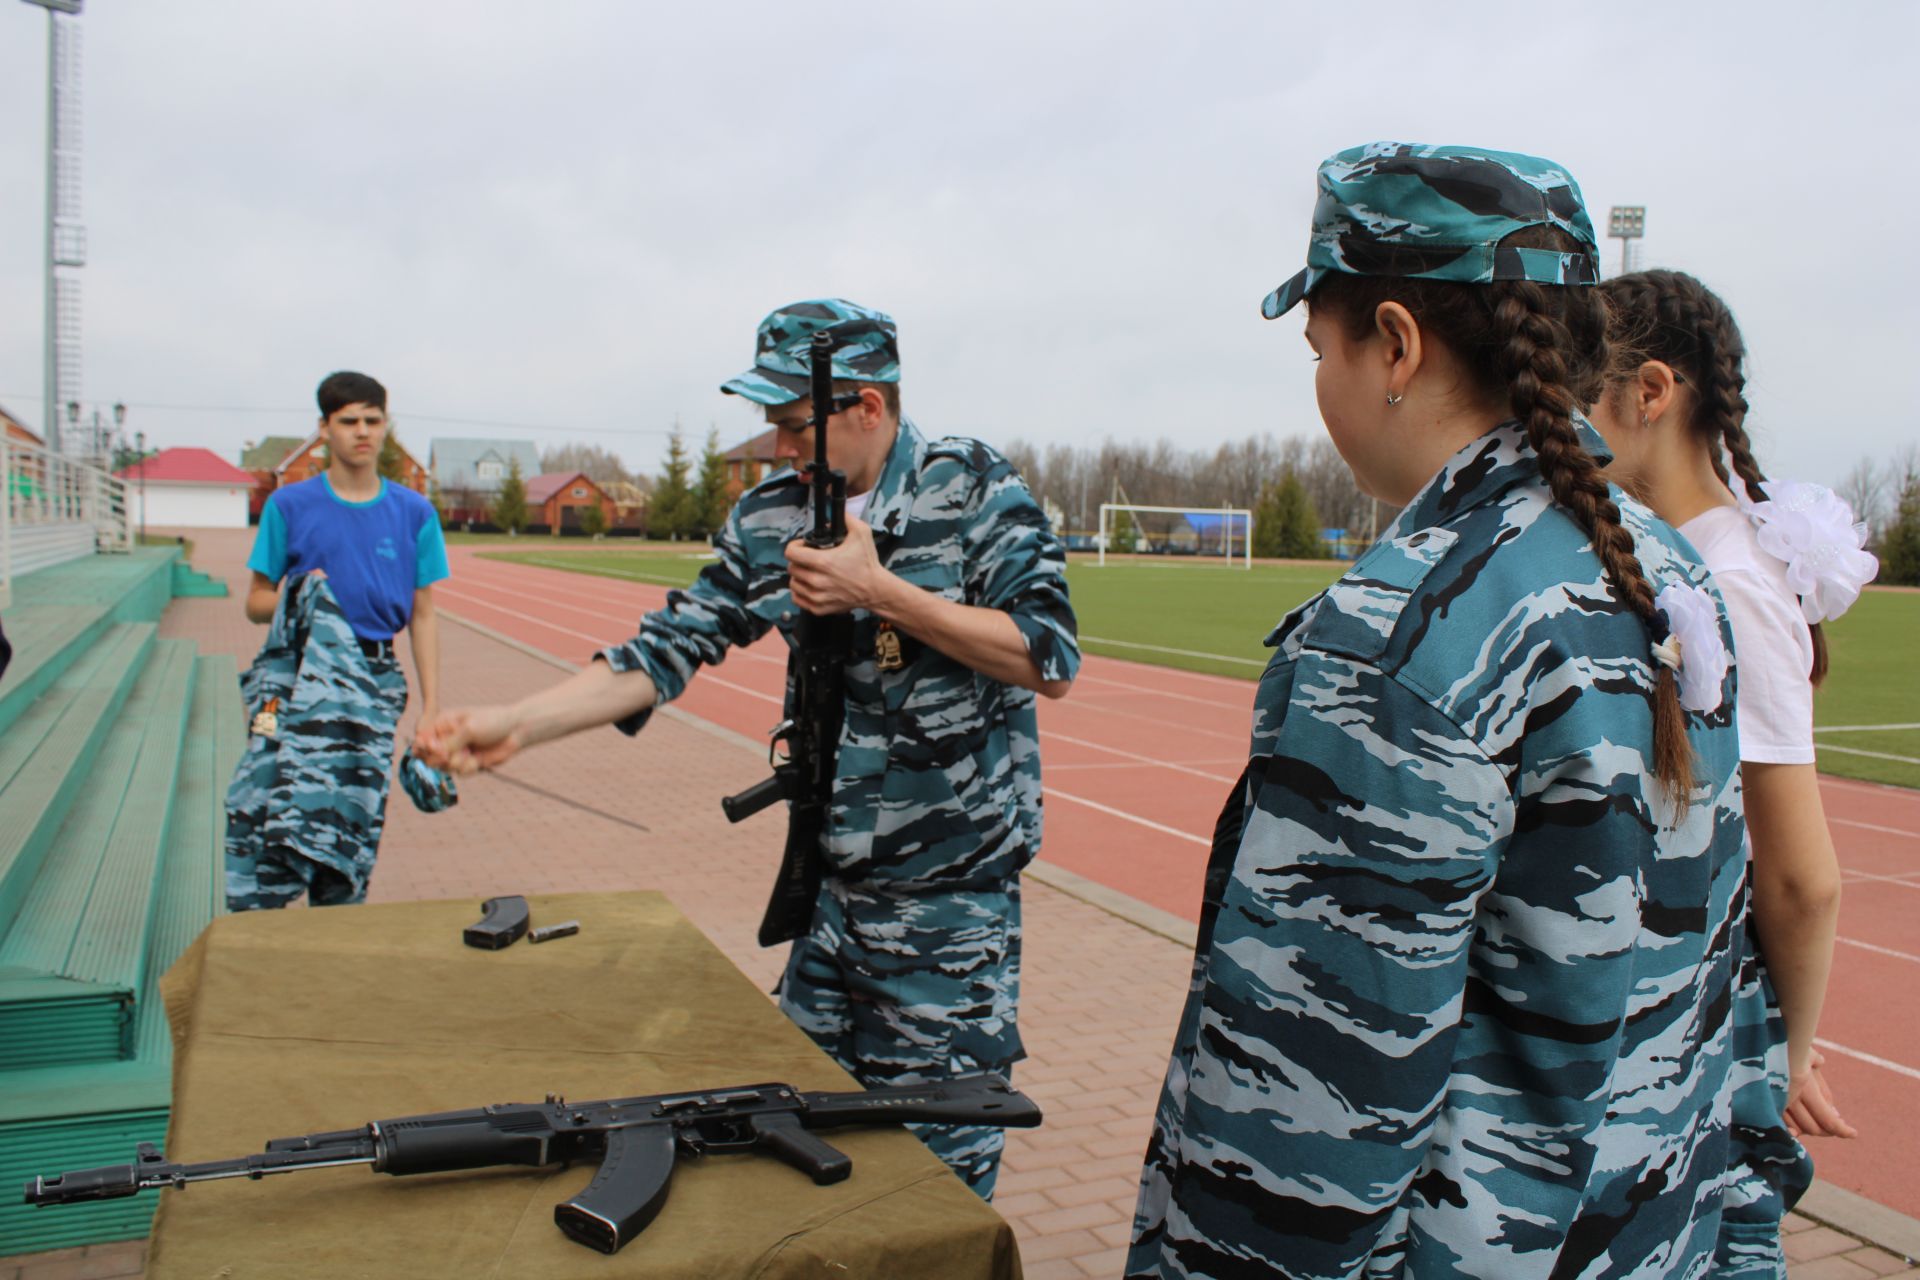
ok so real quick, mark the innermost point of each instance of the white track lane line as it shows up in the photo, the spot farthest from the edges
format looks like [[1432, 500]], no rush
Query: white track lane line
[[1857, 877], [1242, 707], [1884, 790], [1863, 728], [1140, 759], [1091, 705], [618, 574], [608, 587], [1874, 826], [601, 642], [1184, 653], [1110, 811], [629, 624], [1879, 950], [1859, 751], [1875, 1059], [1121, 764]]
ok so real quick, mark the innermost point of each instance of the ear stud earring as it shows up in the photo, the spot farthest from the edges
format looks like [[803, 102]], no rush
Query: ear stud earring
[[1393, 399]]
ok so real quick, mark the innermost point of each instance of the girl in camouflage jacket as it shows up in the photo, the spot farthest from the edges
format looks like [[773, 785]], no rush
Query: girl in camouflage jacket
[[1466, 981]]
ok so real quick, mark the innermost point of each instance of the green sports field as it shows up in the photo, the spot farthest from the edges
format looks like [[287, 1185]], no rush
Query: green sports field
[[1206, 617]]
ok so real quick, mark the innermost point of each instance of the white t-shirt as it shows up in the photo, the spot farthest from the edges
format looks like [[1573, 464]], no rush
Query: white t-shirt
[[1772, 648], [857, 505]]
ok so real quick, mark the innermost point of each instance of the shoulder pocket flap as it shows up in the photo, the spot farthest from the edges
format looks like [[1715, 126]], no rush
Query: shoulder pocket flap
[[1360, 611]]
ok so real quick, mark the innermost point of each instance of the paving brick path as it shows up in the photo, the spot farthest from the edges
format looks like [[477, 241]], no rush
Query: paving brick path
[[1100, 997]]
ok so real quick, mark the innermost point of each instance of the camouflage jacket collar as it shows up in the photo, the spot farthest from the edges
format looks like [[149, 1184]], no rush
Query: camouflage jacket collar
[[1483, 472], [892, 499]]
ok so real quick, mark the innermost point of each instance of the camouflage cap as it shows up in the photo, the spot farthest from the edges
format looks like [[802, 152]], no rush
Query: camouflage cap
[[1439, 213], [867, 350]]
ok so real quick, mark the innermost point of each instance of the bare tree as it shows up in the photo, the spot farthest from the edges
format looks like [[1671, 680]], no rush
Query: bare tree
[[602, 466], [1865, 490], [1077, 479]]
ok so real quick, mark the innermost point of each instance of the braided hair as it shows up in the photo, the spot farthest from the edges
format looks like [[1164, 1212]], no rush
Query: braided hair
[[1545, 348], [1671, 317]]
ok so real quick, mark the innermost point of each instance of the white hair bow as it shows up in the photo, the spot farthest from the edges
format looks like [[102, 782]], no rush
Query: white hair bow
[[1812, 530], [1692, 648]]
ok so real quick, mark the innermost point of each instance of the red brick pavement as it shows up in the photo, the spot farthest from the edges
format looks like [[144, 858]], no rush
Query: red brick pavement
[[1100, 995]]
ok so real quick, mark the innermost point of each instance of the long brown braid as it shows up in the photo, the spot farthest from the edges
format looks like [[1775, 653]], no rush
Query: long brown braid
[[1546, 349], [1671, 317]]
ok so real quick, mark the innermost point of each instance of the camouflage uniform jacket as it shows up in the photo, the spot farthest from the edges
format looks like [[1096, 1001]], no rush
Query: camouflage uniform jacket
[[1464, 1002], [938, 768], [312, 782]]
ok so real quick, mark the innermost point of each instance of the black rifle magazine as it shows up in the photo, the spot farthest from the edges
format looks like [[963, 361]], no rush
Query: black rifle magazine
[[503, 923]]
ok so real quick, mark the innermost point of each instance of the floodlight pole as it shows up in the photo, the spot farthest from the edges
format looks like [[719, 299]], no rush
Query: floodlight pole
[[50, 371], [1626, 223]]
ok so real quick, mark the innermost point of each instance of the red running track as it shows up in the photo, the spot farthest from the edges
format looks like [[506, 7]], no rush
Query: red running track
[[1139, 758]]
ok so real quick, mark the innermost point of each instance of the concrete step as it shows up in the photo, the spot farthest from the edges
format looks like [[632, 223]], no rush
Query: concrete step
[[69, 1117], [47, 754], [82, 930]]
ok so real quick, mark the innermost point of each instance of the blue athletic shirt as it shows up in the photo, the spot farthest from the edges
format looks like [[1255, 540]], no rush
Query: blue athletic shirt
[[376, 553]]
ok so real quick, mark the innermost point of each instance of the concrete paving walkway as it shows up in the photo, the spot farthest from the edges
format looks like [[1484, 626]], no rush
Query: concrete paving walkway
[[1103, 979]]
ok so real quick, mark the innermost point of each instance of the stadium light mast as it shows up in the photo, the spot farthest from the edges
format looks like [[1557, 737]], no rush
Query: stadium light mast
[[66, 239], [1626, 223]]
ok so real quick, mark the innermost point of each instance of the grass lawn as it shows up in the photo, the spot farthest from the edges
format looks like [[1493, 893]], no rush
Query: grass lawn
[[1207, 617]]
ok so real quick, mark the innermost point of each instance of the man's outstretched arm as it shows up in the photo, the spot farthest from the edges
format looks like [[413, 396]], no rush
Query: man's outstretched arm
[[484, 737]]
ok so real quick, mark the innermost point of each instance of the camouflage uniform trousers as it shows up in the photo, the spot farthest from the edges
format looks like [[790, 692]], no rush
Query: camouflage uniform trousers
[[307, 806], [912, 986]]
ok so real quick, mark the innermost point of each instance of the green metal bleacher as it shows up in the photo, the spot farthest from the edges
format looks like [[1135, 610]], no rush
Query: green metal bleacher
[[115, 749]]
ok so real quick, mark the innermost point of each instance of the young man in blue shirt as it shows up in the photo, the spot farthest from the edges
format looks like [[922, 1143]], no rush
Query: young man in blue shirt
[[307, 808]]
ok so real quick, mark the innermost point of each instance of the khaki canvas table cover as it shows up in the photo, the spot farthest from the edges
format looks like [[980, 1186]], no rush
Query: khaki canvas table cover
[[291, 1022]]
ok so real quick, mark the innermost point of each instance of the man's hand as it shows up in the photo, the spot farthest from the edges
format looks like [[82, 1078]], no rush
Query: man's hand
[[468, 740], [828, 580], [1811, 1112]]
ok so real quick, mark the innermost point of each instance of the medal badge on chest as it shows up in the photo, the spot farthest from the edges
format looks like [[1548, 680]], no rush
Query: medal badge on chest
[[266, 722], [886, 648]]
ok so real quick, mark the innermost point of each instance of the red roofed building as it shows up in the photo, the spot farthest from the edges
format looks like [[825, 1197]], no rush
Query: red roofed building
[[17, 430], [187, 489], [557, 501], [750, 463]]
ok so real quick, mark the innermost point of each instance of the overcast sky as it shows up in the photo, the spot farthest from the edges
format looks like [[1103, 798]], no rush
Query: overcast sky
[[570, 216]]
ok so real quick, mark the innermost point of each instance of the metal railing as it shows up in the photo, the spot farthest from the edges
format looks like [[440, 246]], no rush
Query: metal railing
[[40, 489]]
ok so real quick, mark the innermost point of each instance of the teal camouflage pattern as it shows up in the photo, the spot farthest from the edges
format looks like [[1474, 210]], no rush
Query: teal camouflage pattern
[[308, 801], [866, 349], [910, 969], [1439, 213], [1469, 999], [914, 987]]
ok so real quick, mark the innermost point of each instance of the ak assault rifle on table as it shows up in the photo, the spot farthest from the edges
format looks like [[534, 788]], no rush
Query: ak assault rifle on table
[[634, 1139], [822, 649]]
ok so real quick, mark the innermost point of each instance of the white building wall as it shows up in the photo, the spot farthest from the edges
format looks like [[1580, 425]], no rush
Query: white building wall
[[189, 506]]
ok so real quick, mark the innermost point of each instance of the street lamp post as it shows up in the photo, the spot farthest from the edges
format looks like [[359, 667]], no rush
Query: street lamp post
[[1626, 223], [139, 447]]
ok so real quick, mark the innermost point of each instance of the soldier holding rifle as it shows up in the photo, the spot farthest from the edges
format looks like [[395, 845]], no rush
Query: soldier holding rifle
[[906, 967]]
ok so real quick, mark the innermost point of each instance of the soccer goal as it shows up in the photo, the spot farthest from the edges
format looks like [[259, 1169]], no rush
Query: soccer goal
[[1210, 533]]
